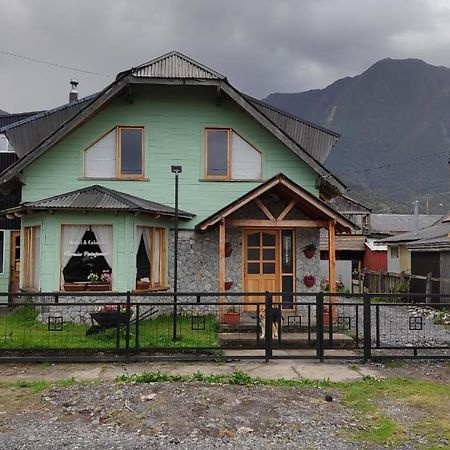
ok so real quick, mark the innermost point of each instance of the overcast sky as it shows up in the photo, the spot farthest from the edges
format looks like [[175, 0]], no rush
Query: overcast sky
[[262, 46]]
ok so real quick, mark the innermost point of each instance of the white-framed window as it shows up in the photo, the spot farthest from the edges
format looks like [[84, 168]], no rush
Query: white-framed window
[[86, 249], [230, 157], [32, 261], [150, 257], [5, 146], [117, 154]]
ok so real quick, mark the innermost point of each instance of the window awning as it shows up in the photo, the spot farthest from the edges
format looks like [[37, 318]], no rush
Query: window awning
[[318, 211], [97, 198]]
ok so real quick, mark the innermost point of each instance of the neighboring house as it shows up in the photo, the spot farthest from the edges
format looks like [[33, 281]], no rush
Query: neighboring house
[[9, 229], [98, 192], [429, 252], [375, 256], [390, 226], [349, 247]]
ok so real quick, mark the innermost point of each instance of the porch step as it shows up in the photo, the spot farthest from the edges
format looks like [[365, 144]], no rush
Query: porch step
[[287, 340]]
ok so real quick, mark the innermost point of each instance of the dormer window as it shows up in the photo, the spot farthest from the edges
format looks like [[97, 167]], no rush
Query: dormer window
[[230, 157], [118, 154], [5, 146]]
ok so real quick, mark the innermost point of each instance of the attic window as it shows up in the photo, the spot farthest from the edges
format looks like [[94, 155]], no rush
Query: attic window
[[5, 146], [230, 157], [118, 154]]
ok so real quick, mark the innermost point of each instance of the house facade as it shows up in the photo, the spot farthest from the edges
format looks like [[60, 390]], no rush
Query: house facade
[[97, 193]]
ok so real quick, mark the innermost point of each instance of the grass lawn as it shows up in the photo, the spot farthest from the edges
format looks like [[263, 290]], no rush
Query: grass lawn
[[21, 330]]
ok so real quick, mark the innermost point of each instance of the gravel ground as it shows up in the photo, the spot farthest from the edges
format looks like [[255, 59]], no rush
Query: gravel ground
[[394, 325], [180, 416]]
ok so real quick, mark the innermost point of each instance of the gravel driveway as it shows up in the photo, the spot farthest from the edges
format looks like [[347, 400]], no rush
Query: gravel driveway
[[180, 416]]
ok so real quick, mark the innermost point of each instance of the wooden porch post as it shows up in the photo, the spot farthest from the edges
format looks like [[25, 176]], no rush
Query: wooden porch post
[[221, 264], [332, 262]]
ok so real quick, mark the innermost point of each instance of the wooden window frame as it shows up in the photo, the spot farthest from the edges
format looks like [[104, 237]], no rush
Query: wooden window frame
[[118, 153], [162, 284], [218, 177], [28, 265], [229, 175]]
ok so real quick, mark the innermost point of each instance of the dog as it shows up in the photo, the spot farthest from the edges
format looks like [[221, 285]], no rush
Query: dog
[[276, 317]]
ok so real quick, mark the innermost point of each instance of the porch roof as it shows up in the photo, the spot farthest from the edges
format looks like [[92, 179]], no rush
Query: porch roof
[[98, 198], [312, 206]]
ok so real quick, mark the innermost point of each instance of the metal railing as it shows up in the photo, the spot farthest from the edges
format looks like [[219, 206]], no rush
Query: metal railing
[[221, 325]]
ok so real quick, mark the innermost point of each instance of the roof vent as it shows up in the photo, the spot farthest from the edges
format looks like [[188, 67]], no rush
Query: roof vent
[[73, 95]]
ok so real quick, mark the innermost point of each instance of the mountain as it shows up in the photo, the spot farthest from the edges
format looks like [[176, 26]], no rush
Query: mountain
[[3, 112], [395, 114]]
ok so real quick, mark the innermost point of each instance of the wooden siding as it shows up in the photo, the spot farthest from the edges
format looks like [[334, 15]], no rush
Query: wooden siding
[[174, 119]]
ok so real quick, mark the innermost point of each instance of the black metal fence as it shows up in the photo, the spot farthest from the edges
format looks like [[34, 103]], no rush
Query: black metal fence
[[203, 325]]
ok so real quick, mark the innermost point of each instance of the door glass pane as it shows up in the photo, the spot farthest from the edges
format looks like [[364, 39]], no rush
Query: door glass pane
[[131, 151], [269, 268], [217, 152], [253, 240], [269, 254], [253, 268], [286, 252], [253, 254], [268, 239]]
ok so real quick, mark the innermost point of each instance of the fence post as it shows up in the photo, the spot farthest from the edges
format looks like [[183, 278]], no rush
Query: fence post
[[428, 288], [319, 326], [136, 333], [367, 328], [127, 330], [268, 334]]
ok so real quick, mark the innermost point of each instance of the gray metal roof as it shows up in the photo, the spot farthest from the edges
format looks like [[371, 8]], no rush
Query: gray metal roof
[[24, 135], [431, 232], [175, 65], [41, 135], [99, 198], [346, 205], [398, 223], [318, 141]]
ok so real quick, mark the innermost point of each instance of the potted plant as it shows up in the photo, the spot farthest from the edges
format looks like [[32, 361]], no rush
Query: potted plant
[[231, 316], [99, 283], [309, 280], [109, 316], [228, 285], [228, 249], [75, 286], [309, 250]]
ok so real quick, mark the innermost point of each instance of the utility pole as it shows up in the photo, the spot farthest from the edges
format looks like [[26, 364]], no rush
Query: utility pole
[[416, 216]]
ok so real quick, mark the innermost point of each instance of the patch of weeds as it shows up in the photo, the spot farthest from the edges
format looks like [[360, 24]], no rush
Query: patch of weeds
[[395, 363], [35, 386], [366, 396]]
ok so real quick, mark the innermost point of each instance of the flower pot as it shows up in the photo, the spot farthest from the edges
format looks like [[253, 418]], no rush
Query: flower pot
[[231, 318], [98, 287], [309, 253], [326, 318], [228, 250], [74, 287], [142, 285], [228, 285], [309, 281]]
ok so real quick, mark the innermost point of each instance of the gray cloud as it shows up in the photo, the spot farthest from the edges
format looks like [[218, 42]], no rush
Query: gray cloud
[[263, 46]]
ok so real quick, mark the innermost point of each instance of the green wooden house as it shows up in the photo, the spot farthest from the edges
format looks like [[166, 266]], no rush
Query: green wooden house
[[97, 188]]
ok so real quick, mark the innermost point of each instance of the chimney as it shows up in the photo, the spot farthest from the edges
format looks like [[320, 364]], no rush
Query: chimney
[[73, 95]]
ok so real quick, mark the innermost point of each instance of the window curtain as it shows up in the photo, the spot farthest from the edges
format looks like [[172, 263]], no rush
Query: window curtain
[[146, 233], [104, 235], [71, 239], [155, 264], [36, 275]]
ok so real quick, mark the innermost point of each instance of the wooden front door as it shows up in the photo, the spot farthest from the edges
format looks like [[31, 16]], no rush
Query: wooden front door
[[14, 271], [261, 263]]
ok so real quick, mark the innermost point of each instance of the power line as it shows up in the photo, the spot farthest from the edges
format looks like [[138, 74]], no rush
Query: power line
[[384, 166], [55, 64]]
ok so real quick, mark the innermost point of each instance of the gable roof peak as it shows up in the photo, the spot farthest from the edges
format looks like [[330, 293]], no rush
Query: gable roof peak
[[174, 65]]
